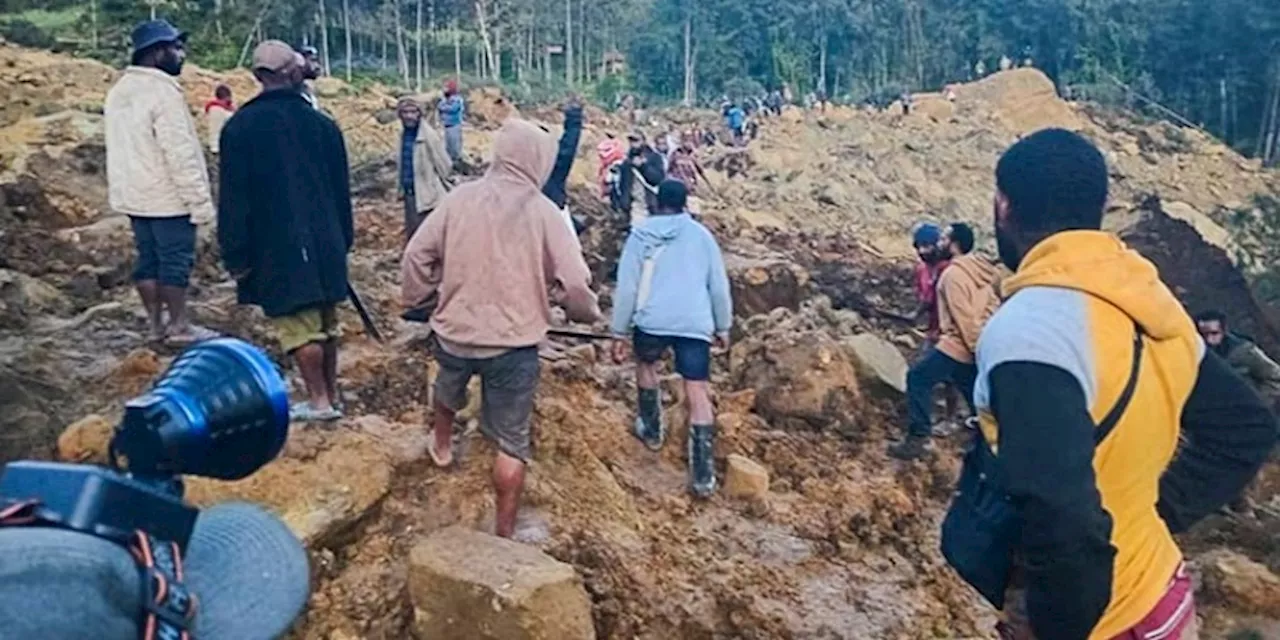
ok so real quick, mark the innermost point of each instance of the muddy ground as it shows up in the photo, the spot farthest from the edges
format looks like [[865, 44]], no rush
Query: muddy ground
[[813, 219]]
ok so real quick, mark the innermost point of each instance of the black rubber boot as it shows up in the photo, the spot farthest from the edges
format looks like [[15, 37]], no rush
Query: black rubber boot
[[649, 427], [913, 448], [702, 468]]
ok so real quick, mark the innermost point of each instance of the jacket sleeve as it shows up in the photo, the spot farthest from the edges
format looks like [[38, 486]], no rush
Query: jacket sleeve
[[624, 294], [652, 170], [1046, 451], [184, 156], [555, 185], [721, 293], [421, 267], [235, 195], [965, 304], [342, 186], [570, 277], [439, 155], [1228, 432], [1264, 372]]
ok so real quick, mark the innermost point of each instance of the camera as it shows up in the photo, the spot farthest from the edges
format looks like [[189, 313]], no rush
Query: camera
[[221, 410]]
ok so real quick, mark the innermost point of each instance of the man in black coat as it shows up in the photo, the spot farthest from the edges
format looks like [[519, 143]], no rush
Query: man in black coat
[[284, 220], [644, 163]]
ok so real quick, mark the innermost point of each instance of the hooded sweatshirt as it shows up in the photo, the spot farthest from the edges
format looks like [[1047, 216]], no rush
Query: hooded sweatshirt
[[687, 295], [1096, 551], [493, 249], [966, 298]]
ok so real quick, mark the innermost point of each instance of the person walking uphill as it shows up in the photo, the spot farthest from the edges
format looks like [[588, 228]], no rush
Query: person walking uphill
[[1105, 424], [424, 166], [284, 221], [156, 174], [452, 111], [486, 260], [673, 293], [966, 298], [216, 112]]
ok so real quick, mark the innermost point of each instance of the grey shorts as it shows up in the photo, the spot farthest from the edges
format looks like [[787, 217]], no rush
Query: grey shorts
[[507, 386]]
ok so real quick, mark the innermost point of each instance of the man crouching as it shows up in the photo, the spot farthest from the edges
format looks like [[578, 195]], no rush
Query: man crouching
[[488, 257]]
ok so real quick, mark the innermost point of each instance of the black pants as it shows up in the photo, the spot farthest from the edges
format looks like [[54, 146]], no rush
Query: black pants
[[926, 374]]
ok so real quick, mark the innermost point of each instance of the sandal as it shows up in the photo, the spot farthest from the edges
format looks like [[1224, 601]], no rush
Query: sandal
[[304, 412], [435, 456]]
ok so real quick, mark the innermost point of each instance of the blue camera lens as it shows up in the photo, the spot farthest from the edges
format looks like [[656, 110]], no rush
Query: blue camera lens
[[221, 410]]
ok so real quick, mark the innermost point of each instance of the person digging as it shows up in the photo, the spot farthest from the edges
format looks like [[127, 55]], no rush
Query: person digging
[[673, 293]]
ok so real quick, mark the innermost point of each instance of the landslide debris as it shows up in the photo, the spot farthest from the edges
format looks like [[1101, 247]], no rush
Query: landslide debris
[[832, 540]]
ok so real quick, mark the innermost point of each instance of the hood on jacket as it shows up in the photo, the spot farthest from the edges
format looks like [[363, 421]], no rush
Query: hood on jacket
[[975, 266], [523, 152], [1100, 264], [658, 230]]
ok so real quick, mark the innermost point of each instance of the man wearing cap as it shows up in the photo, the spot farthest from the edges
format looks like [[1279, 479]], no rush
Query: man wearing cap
[[284, 220], [424, 166], [452, 111], [156, 175]]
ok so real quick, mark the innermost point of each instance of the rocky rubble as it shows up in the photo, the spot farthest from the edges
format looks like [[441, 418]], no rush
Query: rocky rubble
[[830, 539]]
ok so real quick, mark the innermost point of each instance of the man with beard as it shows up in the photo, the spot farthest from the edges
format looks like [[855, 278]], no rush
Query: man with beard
[[1106, 426], [284, 221], [965, 299], [156, 175], [642, 172], [424, 166], [311, 70], [1244, 357]]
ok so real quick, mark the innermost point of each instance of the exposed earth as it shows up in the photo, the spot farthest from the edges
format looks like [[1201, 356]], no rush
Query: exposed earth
[[815, 221]]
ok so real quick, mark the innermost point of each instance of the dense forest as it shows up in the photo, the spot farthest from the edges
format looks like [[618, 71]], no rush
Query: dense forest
[[1214, 63]]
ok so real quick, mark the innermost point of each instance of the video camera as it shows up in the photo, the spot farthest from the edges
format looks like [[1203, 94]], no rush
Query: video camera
[[221, 410]]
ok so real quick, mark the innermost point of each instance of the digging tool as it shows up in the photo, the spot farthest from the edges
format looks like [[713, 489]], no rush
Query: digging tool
[[365, 319], [423, 315]]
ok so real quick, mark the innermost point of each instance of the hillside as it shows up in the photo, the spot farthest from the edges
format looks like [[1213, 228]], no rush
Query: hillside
[[814, 218]]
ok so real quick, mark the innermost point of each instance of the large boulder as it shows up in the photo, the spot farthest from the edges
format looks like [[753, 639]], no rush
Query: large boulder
[[323, 485], [469, 585], [878, 362], [802, 380], [1240, 583], [761, 285], [23, 298]]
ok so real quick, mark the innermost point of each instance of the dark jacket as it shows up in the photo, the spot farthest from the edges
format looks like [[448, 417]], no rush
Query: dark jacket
[[1249, 361], [652, 171], [284, 207], [554, 189]]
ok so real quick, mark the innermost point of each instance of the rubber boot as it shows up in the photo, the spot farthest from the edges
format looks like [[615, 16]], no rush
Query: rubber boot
[[702, 469], [649, 427], [913, 448]]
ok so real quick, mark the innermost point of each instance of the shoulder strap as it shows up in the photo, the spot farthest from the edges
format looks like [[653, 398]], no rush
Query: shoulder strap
[[1109, 422]]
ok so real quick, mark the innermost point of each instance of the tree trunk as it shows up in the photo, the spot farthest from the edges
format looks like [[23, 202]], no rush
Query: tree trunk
[[688, 59], [93, 21], [402, 58], [324, 39], [384, 52], [457, 51], [346, 26], [482, 22], [822, 62], [568, 42], [1271, 153], [417, 35]]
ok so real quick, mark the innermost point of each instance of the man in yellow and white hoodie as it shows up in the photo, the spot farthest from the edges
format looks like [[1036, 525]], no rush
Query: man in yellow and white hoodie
[[156, 175], [1113, 427]]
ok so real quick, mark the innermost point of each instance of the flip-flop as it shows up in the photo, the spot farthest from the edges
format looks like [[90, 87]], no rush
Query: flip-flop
[[435, 457], [304, 412]]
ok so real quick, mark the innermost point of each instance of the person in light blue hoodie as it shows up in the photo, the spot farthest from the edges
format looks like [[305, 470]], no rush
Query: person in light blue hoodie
[[673, 293]]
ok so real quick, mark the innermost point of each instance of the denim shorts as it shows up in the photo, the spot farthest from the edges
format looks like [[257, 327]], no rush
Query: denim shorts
[[693, 356], [166, 249], [507, 386]]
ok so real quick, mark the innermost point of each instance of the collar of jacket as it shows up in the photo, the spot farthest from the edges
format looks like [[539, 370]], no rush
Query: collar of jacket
[[278, 94], [155, 73]]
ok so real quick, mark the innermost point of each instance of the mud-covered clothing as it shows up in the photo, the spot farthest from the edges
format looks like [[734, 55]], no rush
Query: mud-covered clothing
[[926, 286], [966, 299], [284, 210], [1248, 360], [494, 249], [155, 161], [555, 186], [1095, 549], [508, 384]]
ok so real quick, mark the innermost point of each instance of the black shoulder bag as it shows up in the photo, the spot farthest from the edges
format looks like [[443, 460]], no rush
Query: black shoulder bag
[[982, 528]]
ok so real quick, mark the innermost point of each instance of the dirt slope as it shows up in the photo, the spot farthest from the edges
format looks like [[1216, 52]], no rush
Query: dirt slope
[[814, 220]]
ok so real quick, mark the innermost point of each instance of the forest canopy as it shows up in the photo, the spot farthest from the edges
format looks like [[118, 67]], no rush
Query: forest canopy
[[1215, 63]]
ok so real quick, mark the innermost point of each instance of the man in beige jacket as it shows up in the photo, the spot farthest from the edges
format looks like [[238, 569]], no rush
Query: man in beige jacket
[[424, 166], [156, 175], [490, 258], [966, 298]]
